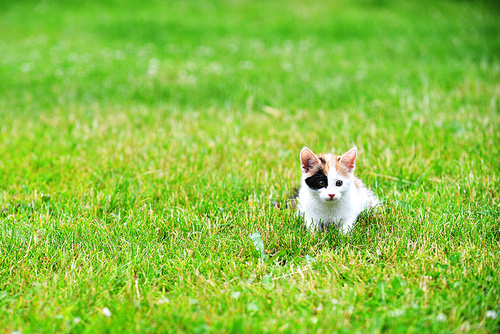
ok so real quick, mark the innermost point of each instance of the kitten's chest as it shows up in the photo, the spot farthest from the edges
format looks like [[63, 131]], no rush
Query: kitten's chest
[[331, 212], [333, 215]]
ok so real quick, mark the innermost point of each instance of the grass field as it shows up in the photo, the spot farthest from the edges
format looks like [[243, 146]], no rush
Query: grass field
[[142, 143]]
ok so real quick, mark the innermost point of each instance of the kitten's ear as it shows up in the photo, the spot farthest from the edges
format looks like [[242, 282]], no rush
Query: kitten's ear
[[349, 159], [308, 160]]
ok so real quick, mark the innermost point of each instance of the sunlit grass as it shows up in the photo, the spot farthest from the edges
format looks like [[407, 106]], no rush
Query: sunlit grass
[[142, 144]]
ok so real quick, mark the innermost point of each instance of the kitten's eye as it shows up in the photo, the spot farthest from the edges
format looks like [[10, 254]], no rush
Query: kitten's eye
[[339, 183], [321, 183]]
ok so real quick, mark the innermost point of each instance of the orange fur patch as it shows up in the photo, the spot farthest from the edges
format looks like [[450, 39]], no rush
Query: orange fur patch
[[325, 165], [325, 161], [333, 160]]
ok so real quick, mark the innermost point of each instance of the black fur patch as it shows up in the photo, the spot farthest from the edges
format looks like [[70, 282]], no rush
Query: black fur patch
[[313, 182]]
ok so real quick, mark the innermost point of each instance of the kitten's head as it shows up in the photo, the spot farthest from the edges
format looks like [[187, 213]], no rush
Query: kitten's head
[[327, 176]]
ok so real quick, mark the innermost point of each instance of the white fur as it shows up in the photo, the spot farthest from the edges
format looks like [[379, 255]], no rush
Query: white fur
[[349, 201]]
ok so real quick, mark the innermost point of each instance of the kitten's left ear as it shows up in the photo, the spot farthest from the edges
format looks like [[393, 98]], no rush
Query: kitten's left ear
[[349, 159]]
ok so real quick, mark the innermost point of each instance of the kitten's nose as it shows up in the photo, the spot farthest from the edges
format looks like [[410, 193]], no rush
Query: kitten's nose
[[331, 195]]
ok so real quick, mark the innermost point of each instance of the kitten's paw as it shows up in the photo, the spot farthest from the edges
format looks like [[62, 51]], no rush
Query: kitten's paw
[[313, 228], [311, 225], [374, 205], [346, 228]]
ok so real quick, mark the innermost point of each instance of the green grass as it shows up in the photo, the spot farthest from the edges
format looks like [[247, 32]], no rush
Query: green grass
[[143, 142]]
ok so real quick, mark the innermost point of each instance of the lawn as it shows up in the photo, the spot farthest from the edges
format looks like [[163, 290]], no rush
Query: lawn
[[143, 143]]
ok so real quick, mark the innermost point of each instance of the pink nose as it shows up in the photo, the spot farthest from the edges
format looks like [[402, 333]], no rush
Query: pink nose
[[331, 195]]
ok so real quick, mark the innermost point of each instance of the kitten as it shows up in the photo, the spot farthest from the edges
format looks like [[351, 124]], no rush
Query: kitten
[[329, 192]]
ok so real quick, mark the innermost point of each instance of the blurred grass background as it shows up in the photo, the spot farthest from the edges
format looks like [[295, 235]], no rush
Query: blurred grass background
[[142, 143]]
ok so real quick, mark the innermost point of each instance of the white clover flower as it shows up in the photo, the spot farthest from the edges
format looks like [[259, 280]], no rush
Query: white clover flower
[[491, 314], [465, 326], [441, 317], [163, 300], [396, 313], [106, 312], [153, 67]]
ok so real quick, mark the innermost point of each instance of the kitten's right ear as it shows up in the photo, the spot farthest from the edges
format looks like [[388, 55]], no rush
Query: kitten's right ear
[[349, 159], [308, 160]]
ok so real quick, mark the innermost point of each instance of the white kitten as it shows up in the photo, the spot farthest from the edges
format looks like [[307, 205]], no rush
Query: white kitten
[[330, 193]]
